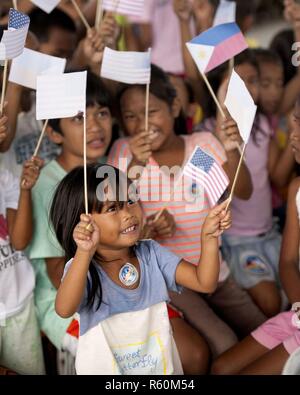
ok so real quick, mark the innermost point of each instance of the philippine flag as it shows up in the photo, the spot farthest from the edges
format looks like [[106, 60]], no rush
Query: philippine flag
[[216, 45]]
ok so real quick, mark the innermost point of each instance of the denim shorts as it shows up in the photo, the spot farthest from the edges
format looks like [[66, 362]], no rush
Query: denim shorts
[[253, 259]]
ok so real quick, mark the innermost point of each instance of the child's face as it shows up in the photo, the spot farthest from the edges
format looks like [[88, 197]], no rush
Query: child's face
[[249, 75], [119, 227], [271, 87], [161, 117], [61, 43], [295, 133], [98, 129]]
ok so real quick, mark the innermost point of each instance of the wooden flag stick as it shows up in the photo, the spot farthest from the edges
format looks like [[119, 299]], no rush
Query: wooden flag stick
[[15, 4], [80, 14], [147, 108], [40, 138], [4, 82], [99, 14], [213, 94], [85, 165], [236, 177], [231, 66]]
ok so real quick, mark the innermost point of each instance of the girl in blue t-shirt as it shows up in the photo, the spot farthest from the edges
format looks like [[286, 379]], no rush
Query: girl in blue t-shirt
[[119, 284]]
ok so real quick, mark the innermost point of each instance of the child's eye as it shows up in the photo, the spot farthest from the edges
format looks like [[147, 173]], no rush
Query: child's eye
[[103, 114], [78, 118], [129, 117], [152, 111], [111, 209], [131, 202]]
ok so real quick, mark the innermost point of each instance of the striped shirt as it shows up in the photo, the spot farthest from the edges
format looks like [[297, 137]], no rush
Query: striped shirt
[[189, 216]]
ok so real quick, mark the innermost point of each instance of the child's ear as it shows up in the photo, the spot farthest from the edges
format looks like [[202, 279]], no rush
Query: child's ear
[[176, 107], [54, 136]]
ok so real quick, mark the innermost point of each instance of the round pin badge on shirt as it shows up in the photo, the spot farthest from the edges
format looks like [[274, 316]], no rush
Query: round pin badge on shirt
[[128, 274]]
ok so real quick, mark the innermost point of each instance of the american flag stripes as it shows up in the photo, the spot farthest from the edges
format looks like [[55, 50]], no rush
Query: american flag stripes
[[127, 67], [203, 168], [124, 7]]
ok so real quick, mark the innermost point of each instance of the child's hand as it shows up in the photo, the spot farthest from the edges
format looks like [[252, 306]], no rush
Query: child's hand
[[164, 226], [140, 146], [183, 9], [109, 29], [228, 133], [86, 234], [93, 46], [204, 14], [31, 172], [216, 221]]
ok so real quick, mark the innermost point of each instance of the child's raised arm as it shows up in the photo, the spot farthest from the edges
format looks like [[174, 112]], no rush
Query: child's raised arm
[[20, 221], [71, 290], [204, 277]]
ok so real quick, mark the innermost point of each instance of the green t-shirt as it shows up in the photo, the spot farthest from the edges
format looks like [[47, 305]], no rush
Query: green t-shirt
[[45, 245]]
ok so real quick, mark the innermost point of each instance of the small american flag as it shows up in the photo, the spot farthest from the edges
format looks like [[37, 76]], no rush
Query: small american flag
[[17, 19], [124, 7], [13, 39], [204, 169]]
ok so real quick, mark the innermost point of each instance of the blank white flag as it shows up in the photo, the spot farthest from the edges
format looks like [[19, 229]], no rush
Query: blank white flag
[[46, 5], [124, 7], [240, 105], [127, 67], [26, 67], [225, 13], [60, 95]]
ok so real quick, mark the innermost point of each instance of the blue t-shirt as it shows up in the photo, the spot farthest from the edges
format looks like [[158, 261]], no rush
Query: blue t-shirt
[[157, 275]]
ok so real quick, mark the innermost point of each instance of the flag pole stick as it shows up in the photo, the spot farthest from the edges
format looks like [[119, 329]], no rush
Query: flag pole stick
[[15, 5], [99, 14], [40, 138], [231, 66], [236, 177], [80, 14], [4, 81], [147, 107], [213, 94], [85, 165]]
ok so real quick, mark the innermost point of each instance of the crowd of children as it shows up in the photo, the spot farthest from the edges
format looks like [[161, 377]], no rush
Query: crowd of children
[[146, 266]]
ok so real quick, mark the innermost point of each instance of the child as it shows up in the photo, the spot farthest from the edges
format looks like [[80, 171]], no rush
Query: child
[[271, 97], [252, 246], [45, 253], [267, 349], [56, 33], [20, 340], [113, 295], [180, 220]]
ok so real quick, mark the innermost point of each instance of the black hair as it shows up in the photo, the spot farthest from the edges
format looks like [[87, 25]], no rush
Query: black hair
[[264, 55], [96, 93], [282, 45], [41, 23], [162, 88], [68, 204]]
